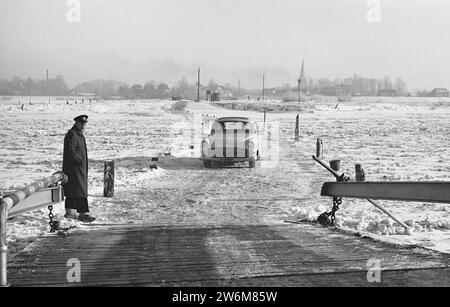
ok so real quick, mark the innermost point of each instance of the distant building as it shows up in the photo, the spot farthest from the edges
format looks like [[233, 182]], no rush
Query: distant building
[[342, 90], [86, 94], [328, 91], [439, 92], [337, 90], [286, 94], [387, 93], [221, 93]]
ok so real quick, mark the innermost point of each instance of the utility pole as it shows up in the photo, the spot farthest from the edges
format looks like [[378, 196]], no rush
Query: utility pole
[[198, 85], [103, 89], [299, 81], [263, 88], [239, 88], [46, 83]]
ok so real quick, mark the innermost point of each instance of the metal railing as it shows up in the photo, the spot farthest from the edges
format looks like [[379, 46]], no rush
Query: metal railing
[[31, 197], [424, 191], [420, 191]]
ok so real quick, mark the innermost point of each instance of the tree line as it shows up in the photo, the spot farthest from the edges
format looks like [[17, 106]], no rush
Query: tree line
[[355, 85], [33, 87], [105, 88]]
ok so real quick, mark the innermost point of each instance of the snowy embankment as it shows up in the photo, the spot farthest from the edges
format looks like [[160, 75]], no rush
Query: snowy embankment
[[393, 140]]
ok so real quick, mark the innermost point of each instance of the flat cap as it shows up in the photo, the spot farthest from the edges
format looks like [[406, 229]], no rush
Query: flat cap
[[81, 118]]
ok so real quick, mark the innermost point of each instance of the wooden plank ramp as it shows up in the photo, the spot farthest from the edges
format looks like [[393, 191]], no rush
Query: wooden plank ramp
[[268, 255]]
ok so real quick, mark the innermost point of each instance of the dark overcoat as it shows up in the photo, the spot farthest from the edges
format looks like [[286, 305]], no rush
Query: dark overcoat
[[75, 164]]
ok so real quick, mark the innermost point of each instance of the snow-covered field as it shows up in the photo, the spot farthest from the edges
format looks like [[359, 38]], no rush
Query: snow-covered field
[[393, 139]]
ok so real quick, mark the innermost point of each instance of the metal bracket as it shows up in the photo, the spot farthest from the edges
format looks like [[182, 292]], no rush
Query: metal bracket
[[57, 195]]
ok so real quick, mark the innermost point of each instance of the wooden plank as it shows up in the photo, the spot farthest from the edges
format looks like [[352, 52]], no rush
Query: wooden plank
[[424, 277], [279, 254]]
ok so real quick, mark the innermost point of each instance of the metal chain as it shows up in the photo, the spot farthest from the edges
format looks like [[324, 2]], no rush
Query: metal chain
[[337, 201], [327, 219], [50, 216]]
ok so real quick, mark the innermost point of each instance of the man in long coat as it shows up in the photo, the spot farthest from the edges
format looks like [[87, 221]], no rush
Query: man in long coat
[[75, 166]]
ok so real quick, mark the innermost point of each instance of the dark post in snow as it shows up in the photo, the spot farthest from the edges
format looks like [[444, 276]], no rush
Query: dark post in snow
[[359, 173], [108, 179], [335, 165], [297, 123], [265, 111], [319, 148]]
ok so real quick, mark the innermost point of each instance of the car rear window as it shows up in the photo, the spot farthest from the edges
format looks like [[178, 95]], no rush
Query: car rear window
[[237, 126]]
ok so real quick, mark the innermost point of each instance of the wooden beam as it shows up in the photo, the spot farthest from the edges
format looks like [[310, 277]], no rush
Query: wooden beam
[[434, 192]]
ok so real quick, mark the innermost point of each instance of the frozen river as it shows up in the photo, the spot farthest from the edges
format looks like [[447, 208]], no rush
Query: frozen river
[[394, 139]]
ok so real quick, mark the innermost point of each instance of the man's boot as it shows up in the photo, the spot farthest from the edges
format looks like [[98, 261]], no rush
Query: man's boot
[[71, 214], [86, 217]]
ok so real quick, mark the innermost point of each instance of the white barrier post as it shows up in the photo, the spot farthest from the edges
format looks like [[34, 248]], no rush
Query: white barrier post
[[3, 244]]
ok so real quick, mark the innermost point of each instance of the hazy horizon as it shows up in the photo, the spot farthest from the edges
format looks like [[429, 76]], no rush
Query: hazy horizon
[[136, 41]]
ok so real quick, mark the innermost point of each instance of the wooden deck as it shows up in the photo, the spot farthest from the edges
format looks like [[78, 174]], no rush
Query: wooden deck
[[275, 255]]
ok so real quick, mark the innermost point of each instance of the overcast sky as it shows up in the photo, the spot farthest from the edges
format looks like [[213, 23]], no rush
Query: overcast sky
[[140, 40]]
